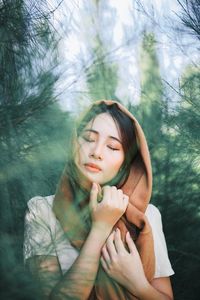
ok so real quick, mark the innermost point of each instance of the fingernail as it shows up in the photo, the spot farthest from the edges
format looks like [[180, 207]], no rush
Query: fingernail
[[118, 231]]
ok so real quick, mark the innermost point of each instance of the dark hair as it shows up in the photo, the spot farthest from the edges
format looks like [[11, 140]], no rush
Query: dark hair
[[127, 134]]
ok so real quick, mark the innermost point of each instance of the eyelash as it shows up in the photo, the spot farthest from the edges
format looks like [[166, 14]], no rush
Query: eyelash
[[113, 149], [90, 141]]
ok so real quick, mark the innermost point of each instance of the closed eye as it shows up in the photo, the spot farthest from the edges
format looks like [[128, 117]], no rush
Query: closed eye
[[88, 140], [114, 149]]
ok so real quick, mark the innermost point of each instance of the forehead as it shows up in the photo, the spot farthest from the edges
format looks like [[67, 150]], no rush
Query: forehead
[[105, 125]]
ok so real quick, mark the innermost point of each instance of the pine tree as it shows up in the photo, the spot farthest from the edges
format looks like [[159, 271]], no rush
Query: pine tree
[[102, 75], [33, 130], [151, 104]]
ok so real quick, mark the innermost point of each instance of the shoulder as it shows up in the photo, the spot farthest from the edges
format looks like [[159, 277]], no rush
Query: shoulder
[[152, 210], [40, 209], [39, 226], [163, 265], [153, 214], [155, 219], [39, 204], [39, 201]]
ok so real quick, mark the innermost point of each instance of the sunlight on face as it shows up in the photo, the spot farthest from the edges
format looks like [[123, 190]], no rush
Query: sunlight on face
[[100, 152]]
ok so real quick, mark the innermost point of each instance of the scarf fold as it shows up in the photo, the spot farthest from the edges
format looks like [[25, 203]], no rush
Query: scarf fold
[[75, 218]]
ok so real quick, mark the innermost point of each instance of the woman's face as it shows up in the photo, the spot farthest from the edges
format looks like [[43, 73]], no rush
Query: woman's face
[[100, 152]]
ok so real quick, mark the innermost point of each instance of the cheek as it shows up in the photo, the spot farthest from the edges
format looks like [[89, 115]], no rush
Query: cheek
[[118, 162], [82, 150], [78, 152]]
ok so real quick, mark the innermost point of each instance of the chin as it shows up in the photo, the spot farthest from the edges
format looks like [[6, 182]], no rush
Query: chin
[[94, 178]]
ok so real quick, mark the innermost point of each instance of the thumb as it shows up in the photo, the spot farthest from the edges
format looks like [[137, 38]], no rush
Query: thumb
[[93, 195]]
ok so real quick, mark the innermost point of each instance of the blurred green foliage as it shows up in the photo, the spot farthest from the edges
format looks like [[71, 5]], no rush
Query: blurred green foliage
[[32, 146], [173, 138], [102, 75]]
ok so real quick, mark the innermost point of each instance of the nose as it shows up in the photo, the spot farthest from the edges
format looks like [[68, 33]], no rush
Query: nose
[[96, 152]]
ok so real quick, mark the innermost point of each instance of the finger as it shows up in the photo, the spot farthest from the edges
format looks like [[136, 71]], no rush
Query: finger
[[114, 194], [93, 195], [125, 201], [104, 264], [114, 189], [118, 241], [120, 194], [105, 254], [110, 245], [100, 194], [120, 197], [130, 243], [99, 187], [106, 191]]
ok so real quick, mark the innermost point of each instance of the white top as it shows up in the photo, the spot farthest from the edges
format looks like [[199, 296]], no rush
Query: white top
[[44, 236]]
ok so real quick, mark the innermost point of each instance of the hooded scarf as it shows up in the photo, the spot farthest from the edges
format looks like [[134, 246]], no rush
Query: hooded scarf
[[75, 219]]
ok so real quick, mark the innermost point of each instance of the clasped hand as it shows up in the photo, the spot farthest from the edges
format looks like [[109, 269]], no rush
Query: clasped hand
[[113, 205], [123, 265]]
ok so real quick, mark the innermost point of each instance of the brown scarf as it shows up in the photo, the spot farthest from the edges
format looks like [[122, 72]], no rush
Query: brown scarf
[[75, 219]]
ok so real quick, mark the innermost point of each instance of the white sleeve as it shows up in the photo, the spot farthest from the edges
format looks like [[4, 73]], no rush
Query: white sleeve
[[37, 229], [163, 266]]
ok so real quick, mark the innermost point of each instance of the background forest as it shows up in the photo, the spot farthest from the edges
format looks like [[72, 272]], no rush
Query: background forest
[[44, 86]]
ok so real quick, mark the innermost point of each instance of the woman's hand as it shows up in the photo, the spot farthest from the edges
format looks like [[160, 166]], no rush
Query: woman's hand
[[113, 205], [123, 266]]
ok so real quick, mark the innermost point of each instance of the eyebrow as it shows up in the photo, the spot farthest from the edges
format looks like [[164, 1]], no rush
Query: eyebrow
[[110, 136]]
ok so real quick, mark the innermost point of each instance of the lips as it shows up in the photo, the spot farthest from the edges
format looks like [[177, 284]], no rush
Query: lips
[[92, 166]]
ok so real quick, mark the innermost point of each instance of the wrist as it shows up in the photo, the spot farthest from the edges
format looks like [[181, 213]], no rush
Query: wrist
[[101, 230], [140, 288], [144, 289]]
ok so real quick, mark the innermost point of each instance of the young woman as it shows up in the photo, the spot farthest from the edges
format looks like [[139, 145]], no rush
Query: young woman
[[98, 237]]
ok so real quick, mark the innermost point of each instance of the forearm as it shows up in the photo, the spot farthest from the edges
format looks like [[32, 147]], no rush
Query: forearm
[[77, 283], [149, 292]]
